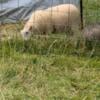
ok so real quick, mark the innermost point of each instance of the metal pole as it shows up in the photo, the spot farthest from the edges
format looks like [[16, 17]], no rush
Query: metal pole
[[81, 13]]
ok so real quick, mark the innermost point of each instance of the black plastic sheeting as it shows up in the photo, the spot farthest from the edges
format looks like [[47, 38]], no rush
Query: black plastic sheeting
[[17, 10]]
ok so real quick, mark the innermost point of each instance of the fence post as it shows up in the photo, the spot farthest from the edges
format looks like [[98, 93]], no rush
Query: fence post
[[81, 13]]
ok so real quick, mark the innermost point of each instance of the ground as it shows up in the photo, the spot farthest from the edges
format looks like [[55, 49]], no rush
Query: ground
[[47, 68]]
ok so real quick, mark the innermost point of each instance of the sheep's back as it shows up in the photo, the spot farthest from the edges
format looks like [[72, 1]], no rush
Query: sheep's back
[[64, 14]]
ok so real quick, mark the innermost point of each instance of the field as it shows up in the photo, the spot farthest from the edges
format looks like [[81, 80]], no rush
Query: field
[[51, 68]]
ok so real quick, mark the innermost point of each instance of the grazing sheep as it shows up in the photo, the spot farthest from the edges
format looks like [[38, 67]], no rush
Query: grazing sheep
[[91, 35], [92, 32], [54, 19]]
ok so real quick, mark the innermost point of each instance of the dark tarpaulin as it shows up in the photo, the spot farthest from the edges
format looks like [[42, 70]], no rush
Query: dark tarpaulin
[[16, 10]]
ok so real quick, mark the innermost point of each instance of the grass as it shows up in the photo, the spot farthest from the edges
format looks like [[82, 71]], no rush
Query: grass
[[91, 11], [36, 77], [47, 69]]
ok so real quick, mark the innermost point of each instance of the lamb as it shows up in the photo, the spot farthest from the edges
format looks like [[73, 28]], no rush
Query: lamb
[[91, 34], [52, 19]]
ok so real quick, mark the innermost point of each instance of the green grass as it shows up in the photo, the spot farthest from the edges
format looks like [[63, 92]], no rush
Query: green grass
[[47, 68], [91, 11], [36, 77]]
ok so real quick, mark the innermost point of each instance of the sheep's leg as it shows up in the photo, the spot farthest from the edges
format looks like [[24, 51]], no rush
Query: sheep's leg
[[88, 44], [44, 34], [68, 30], [54, 29], [93, 45]]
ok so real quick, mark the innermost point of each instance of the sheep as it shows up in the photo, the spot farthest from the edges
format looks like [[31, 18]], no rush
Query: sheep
[[53, 19], [91, 34]]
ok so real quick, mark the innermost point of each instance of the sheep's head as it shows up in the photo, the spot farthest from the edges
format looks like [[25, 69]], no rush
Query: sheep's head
[[26, 32]]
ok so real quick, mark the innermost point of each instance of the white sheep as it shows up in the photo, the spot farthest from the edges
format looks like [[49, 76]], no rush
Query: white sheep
[[57, 18]]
